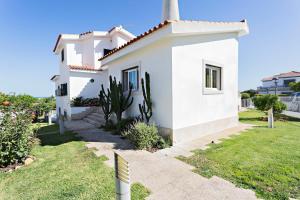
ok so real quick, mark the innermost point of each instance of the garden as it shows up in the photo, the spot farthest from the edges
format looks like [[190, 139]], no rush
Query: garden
[[266, 160], [139, 130], [60, 167]]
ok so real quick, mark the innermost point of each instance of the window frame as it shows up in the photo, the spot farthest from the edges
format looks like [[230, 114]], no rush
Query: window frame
[[126, 88], [220, 78]]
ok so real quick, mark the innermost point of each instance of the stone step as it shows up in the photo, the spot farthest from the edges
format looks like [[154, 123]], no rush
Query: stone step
[[93, 122], [97, 115], [94, 118]]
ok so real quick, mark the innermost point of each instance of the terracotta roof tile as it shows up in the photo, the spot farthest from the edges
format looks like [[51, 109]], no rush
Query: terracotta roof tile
[[84, 68], [159, 26], [85, 33], [283, 75]]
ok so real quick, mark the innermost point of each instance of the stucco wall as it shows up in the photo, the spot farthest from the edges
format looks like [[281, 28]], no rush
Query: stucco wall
[[191, 106], [63, 101], [80, 84], [156, 60]]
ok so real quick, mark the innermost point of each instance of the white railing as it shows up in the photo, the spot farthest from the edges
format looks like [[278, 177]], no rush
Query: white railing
[[292, 103]]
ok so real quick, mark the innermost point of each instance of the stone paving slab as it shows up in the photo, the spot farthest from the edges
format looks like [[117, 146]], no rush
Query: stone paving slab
[[165, 176]]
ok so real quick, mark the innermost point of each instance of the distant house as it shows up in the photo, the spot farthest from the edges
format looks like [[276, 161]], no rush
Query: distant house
[[193, 67], [279, 83]]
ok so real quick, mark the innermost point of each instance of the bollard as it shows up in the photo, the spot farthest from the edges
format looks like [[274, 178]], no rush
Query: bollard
[[270, 118], [61, 125], [50, 118], [122, 178]]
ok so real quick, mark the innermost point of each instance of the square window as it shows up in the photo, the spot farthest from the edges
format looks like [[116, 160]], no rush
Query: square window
[[213, 77], [130, 78]]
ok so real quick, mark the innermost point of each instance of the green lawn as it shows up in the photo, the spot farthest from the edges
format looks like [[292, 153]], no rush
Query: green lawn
[[264, 160], [64, 169]]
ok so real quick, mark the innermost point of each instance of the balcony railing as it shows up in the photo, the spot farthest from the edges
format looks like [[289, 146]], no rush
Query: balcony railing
[[273, 88]]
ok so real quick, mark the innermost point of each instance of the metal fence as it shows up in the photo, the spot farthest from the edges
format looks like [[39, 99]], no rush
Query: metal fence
[[292, 103], [247, 103]]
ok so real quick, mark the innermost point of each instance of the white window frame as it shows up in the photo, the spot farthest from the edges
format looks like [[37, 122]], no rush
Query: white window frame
[[220, 78], [132, 69]]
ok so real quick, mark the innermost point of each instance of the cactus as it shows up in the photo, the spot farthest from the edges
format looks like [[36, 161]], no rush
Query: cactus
[[105, 101], [119, 102], [146, 107]]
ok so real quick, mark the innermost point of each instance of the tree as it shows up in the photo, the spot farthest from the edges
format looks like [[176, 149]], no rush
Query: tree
[[295, 86], [269, 103], [105, 101], [251, 92], [245, 96], [119, 101], [146, 107]]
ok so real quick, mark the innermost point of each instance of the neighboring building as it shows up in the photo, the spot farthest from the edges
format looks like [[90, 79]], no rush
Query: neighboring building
[[279, 83], [193, 67]]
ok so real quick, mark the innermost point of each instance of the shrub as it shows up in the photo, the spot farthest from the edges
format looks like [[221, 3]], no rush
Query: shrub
[[295, 86], [279, 107], [265, 102], [251, 92], [245, 96], [125, 124], [85, 102], [15, 135], [144, 136]]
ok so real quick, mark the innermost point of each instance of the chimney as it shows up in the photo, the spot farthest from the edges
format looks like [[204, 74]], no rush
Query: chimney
[[170, 10]]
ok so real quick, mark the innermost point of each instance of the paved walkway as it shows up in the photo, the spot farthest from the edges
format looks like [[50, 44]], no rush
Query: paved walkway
[[292, 114], [165, 176]]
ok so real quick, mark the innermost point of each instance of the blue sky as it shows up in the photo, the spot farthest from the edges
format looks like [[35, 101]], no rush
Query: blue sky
[[28, 30]]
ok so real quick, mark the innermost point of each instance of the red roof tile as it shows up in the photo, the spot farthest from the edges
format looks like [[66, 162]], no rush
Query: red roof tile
[[159, 26], [84, 68], [283, 75]]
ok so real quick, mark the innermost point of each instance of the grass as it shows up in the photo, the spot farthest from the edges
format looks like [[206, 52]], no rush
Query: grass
[[262, 159], [64, 169]]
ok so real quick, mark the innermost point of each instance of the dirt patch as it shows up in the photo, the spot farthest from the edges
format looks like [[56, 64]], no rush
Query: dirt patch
[[10, 168]]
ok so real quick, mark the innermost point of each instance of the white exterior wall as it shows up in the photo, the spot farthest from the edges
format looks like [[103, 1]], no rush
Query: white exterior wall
[[156, 60], [80, 84], [99, 46], [191, 106], [63, 102], [73, 53]]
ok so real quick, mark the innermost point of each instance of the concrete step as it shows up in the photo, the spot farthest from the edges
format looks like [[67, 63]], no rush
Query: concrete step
[[93, 122], [97, 115], [97, 119]]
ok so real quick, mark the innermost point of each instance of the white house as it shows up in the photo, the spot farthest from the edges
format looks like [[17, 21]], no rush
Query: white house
[[279, 83], [193, 66]]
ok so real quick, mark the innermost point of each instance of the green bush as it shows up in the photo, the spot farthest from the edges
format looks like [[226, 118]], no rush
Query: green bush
[[85, 102], [265, 102], [245, 96], [295, 86], [145, 136], [279, 107], [125, 124], [15, 135]]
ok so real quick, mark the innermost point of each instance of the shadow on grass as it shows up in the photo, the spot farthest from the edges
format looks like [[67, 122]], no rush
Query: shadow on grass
[[49, 136], [56, 139]]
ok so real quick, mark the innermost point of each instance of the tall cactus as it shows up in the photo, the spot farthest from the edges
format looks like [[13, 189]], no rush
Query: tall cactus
[[146, 107], [119, 102], [105, 101]]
